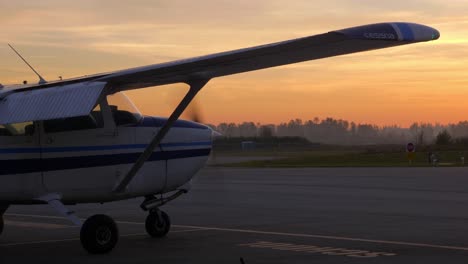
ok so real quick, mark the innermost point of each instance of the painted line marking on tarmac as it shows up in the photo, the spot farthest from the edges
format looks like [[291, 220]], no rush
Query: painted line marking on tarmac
[[377, 241], [37, 216], [355, 253], [77, 239], [38, 242], [341, 238], [37, 225], [187, 230]]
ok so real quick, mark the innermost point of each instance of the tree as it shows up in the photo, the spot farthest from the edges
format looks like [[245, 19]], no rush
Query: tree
[[266, 131], [443, 138], [247, 129], [420, 138]]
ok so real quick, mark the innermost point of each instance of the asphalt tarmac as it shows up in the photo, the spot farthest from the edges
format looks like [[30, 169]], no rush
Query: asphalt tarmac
[[329, 215]]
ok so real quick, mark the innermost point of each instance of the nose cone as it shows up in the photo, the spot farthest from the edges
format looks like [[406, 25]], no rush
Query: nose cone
[[416, 32]]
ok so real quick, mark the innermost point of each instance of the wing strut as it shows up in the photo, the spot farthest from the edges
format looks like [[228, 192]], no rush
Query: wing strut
[[195, 86]]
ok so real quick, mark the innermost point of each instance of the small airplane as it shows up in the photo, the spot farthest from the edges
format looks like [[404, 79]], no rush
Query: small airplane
[[82, 140]]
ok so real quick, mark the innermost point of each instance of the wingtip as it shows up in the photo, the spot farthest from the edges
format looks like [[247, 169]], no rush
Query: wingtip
[[415, 32], [396, 31]]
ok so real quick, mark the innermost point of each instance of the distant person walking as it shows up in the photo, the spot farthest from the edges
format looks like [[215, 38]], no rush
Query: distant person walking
[[434, 159]]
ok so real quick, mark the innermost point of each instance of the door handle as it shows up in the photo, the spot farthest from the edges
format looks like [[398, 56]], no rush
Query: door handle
[[49, 140]]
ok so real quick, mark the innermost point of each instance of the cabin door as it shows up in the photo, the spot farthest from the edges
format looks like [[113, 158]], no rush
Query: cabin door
[[79, 155]]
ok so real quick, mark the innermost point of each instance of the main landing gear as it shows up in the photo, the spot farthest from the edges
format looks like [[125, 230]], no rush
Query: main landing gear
[[99, 234]]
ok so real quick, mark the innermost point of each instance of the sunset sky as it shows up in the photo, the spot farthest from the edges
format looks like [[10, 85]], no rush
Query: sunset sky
[[425, 82]]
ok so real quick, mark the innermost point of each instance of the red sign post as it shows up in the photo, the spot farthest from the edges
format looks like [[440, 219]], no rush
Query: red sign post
[[410, 149]]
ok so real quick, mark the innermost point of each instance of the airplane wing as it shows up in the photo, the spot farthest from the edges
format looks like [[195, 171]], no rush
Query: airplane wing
[[334, 43]]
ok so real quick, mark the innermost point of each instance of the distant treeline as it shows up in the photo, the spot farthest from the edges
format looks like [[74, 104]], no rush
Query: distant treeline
[[342, 132]]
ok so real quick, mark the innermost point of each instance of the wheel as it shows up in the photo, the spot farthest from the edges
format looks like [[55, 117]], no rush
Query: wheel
[[1, 224], [99, 234], [157, 226]]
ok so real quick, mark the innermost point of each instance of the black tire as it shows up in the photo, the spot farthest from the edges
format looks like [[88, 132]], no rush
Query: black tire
[[157, 227], [1, 224], [99, 234]]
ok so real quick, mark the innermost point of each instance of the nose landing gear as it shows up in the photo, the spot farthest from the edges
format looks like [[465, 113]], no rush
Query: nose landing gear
[[157, 223]]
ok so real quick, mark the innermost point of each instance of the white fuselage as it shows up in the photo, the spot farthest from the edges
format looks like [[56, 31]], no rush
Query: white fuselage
[[84, 165]]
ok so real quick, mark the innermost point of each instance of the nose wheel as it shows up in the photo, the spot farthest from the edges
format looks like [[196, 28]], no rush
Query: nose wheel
[[157, 223], [99, 234]]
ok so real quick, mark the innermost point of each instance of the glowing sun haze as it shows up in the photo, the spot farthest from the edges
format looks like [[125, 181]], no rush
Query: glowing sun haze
[[425, 82]]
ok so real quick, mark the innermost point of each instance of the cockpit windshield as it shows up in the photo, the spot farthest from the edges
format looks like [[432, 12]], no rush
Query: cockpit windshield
[[123, 110]]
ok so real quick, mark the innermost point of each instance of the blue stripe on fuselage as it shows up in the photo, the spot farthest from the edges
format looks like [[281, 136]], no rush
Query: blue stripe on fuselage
[[66, 163], [99, 148]]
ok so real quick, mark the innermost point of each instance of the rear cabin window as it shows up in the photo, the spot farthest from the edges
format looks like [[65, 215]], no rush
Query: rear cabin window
[[17, 129], [92, 121], [70, 124]]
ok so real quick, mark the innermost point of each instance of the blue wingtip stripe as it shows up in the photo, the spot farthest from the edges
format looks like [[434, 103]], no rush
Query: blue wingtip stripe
[[406, 31]]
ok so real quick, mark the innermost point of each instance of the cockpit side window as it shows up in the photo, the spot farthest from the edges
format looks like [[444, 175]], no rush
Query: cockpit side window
[[98, 116], [123, 110], [122, 117]]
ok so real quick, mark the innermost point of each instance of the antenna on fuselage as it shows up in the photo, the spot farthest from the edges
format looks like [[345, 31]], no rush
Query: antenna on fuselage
[[41, 80]]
